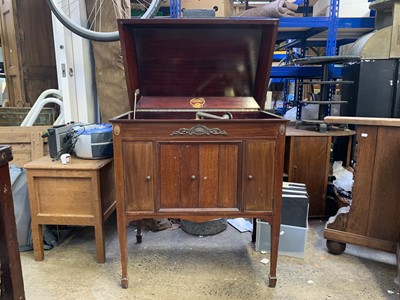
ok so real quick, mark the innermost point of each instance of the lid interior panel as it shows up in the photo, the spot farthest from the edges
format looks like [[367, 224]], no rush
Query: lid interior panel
[[197, 58]]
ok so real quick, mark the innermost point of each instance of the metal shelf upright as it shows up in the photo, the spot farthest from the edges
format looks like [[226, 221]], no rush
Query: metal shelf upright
[[175, 8]]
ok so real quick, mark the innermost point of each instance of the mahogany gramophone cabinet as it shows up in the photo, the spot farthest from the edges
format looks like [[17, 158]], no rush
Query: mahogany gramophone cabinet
[[197, 144]]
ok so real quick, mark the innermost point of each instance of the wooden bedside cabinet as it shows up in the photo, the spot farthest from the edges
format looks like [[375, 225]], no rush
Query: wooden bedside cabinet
[[307, 160], [78, 193]]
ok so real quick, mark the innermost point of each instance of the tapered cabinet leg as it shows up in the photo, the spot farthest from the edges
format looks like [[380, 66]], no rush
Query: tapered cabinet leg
[[275, 227], [397, 279], [254, 233], [123, 251], [139, 234]]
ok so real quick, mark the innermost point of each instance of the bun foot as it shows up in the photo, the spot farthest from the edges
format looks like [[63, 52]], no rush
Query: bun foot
[[334, 247]]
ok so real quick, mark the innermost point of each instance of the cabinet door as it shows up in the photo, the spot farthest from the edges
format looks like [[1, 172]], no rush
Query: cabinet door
[[376, 206], [258, 175], [139, 176], [199, 175], [309, 164], [11, 54], [28, 44]]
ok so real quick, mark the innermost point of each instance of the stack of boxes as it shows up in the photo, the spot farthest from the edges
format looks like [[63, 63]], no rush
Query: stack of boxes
[[294, 223], [221, 8], [347, 8]]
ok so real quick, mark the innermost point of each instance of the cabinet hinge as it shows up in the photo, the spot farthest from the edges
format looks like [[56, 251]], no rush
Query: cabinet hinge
[[21, 37], [24, 73]]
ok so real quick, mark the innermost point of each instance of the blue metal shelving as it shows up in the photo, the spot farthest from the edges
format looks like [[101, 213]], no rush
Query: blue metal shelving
[[175, 8], [329, 32], [301, 72], [302, 32], [314, 31]]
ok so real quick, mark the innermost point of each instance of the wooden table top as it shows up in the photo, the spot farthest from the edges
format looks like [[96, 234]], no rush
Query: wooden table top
[[310, 131], [47, 163], [363, 121]]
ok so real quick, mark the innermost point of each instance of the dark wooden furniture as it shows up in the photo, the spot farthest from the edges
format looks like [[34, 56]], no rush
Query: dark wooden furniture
[[11, 281], [168, 163], [373, 219], [307, 160], [78, 193], [28, 48]]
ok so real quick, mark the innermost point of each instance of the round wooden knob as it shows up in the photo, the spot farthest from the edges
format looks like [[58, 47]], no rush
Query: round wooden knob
[[250, 177], [148, 178], [193, 177]]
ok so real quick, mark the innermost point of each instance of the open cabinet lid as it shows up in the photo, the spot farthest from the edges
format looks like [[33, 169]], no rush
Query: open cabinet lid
[[174, 63]]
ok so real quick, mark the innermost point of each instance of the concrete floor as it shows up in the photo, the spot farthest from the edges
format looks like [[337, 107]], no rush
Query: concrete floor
[[172, 264]]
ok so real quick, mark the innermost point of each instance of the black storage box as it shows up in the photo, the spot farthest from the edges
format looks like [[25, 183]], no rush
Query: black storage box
[[294, 204]]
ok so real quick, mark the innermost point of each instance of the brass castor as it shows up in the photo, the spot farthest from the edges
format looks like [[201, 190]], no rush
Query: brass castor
[[124, 283], [334, 247], [272, 282]]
